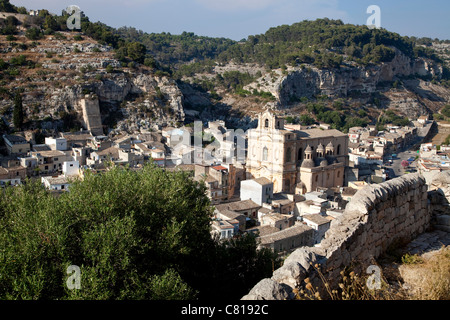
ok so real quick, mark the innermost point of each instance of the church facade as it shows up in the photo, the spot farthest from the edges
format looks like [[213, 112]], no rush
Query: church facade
[[296, 161]]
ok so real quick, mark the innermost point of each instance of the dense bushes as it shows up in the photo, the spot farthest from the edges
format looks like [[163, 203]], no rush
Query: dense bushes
[[134, 235]]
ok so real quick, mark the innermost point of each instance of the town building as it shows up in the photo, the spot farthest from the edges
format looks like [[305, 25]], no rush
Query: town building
[[310, 158], [319, 223], [259, 190], [287, 239], [16, 145]]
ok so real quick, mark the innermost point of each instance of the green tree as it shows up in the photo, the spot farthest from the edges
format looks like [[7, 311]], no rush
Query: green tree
[[110, 68], [134, 234], [34, 34], [446, 111], [5, 6], [51, 23], [18, 113], [136, 51]]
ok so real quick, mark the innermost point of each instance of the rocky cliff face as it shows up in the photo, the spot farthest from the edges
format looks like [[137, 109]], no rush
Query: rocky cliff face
[[66, 70], [415, 98]]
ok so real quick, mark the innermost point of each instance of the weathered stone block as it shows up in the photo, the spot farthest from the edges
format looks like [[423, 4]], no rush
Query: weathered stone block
[[269, 289], [291, 274]]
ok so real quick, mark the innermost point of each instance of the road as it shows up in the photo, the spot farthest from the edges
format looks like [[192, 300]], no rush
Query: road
[[396, 169]]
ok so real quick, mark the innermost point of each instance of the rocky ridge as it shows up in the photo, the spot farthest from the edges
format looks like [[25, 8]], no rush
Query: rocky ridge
[[66, 70]]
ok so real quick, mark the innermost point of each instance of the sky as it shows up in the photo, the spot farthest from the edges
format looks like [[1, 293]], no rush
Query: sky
[[237, 19]]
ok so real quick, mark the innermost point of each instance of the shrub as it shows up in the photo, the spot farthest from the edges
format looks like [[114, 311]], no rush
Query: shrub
[[34, 34], [109, 68]]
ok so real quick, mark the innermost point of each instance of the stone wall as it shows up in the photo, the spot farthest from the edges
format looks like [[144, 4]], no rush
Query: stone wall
[[377, 217]]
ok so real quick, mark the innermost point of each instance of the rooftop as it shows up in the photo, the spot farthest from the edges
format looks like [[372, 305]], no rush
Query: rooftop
[[283, 234], [318, 133], [49, 153], [262, 181], [57, 180], [243, 205], [316, 218], [13, 139]]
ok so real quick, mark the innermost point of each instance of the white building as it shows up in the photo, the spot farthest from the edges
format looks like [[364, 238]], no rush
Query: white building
[[59, 183], [59, 144], [259, 190], [319, 223], [71, 168]]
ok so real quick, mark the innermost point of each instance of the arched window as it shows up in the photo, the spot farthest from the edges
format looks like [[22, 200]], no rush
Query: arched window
[[300, 154], [338, 174], [265, 154], [266, 124], [338, 152], [317, 178]]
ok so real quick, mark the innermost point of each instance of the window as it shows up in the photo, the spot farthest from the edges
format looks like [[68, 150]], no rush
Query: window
[[338, 152], [265, 154], [266, 123], [288, 155], [300, 154], [339, 174], [317, 178]]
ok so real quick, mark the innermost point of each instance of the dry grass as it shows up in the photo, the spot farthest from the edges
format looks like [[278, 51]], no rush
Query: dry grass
[[423, 278], [429, 276]]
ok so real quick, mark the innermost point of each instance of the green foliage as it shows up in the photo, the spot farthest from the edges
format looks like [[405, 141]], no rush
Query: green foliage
[[34, 34], [447, 141], [446, 110], [136, 51], [170, 286], [170, 49], [19, 61], [110, 68], [9, 25], [50, 23], [411, 259], [18, 112], [390, 117], [321, 42], [306, 120], [134, 234], [5, 6]]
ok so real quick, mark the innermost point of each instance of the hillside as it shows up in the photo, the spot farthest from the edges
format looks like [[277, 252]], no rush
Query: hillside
[[322, 70], [53, 73], [306, 66]]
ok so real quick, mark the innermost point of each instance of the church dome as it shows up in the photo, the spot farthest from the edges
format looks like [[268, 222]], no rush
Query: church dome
[[323, 163], [308, 163]]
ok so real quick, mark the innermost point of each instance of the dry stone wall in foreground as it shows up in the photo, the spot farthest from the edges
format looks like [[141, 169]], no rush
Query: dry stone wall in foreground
[[377, 217]]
